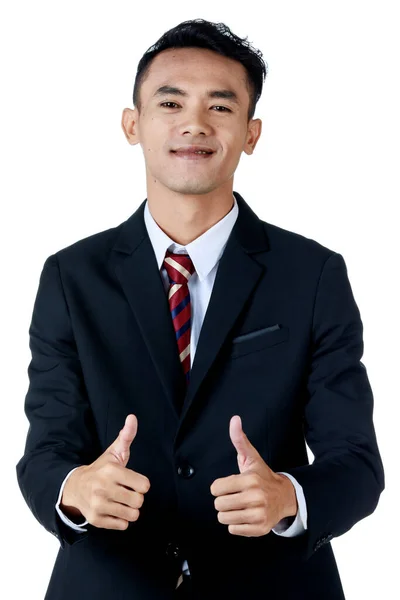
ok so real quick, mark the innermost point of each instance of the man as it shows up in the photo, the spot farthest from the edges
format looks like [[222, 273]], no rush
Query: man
[[182, 360]]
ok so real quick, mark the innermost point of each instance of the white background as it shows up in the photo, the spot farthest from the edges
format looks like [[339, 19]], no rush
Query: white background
[[326, 166]]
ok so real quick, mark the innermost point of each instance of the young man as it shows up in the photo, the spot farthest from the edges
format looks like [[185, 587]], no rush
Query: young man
[[182, 360]]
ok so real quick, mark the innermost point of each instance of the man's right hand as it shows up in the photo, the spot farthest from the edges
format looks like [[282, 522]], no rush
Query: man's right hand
[[105, 492]]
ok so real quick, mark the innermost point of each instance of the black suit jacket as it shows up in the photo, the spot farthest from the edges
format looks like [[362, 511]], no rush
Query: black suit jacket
[[103, 346]]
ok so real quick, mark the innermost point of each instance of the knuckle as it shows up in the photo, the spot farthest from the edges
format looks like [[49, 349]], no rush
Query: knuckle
[[118, 511], [254, 479], [96, 502], [253, 501], [108, 469], [126, 513], [139, 500], [260, 496], [261, 518], [97, 491], [134, 514]]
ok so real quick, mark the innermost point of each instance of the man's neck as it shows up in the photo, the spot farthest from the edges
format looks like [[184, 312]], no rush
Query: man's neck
[[184, 218]]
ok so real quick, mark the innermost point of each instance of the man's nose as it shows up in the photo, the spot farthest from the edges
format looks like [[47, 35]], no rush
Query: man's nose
[[195, 122]]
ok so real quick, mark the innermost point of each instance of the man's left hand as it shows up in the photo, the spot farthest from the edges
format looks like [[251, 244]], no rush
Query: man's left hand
[[254, 501]]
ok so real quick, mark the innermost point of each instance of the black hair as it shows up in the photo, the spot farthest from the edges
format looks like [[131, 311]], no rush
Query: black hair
[[199, 33]]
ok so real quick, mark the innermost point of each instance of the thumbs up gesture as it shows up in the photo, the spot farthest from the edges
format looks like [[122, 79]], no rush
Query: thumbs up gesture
[[105, 492], [120, 448], [252, 502]]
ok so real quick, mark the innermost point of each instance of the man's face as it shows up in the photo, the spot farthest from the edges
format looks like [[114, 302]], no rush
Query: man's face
[[170, 120]]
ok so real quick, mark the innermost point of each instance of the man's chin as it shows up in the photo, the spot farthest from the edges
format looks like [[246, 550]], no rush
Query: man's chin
[[192, 188]]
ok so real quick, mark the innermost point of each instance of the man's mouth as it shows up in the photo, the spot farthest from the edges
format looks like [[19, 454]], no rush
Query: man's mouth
[[192, 154]]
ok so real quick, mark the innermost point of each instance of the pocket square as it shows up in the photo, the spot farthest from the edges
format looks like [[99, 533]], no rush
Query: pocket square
[[252, 334]]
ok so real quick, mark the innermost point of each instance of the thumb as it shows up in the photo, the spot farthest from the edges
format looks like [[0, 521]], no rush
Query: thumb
[[247, 455], [120, 448]]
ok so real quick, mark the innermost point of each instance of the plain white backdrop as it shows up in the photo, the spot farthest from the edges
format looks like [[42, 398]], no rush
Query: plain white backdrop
[[326, 166]]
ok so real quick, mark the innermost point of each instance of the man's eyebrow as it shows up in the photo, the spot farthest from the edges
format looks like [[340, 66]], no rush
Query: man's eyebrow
[[224, 94]]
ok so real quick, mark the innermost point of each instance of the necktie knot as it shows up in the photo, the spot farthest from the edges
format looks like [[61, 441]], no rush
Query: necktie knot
[[179, 267]]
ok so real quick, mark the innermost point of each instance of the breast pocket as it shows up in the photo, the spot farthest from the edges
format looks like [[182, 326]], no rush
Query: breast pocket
[[258, 340]]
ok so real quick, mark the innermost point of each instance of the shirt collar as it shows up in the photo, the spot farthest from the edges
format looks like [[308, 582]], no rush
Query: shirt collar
[[205, 251]]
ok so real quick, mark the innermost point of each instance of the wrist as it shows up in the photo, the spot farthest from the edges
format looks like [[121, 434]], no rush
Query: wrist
[[290, 498], [69, 499]]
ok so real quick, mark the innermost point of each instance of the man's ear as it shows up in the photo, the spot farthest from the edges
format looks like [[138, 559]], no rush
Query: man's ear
[[129, 124], [253, 135]]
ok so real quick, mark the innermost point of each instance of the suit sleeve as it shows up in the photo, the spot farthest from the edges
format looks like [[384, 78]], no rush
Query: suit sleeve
[[344, 482], [62, 433]]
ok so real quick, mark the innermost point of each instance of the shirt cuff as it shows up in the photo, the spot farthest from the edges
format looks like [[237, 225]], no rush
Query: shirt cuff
[[299, 525], [62, 516]]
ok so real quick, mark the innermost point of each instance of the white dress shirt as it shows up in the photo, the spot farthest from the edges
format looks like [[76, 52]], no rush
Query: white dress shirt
[[205, 252]]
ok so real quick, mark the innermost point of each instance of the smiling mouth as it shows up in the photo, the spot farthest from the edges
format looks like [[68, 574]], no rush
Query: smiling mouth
[[190, 155]]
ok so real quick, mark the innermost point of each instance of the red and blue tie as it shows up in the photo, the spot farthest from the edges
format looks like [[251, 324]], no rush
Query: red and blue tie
[[180, 268]]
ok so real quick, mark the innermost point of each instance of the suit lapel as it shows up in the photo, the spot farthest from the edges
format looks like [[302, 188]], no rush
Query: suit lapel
[[236, 278], [135, 265]]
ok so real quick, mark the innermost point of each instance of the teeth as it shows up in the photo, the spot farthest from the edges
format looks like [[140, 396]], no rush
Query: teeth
[[196, 151]]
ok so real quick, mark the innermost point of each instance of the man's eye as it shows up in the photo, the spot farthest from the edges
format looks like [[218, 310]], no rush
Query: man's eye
[[223, 107]]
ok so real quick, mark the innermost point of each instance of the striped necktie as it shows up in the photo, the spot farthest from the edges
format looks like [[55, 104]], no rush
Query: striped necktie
[[180, 268]]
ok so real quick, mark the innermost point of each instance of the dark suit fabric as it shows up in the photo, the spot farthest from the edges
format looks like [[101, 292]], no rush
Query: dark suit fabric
[[103, 346]]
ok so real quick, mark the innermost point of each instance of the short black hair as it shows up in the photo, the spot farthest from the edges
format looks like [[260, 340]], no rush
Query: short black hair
[[199, 33]]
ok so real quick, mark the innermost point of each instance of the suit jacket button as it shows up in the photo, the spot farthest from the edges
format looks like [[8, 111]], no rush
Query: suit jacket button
[[185, 470], [172, 550]]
